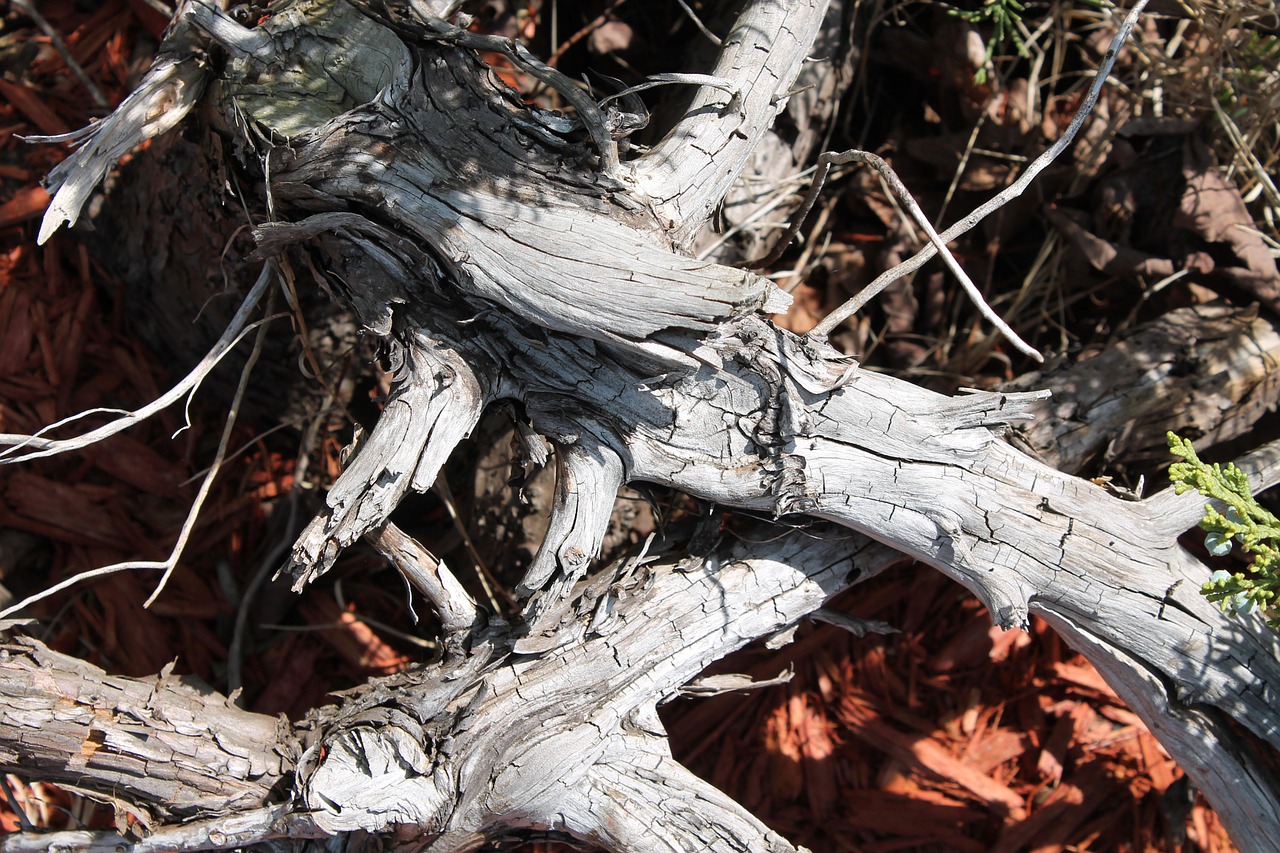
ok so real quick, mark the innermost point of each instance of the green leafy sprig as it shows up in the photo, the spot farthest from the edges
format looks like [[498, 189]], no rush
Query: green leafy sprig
[[1243, 521], [1004, 16]]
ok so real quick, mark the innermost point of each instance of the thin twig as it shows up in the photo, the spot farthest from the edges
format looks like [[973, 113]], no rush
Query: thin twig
[[697, 22], [233, 831], [233, 412], [778, 199], [848, 309], [596, 24], [24, 822], [962, 165], [430, 576], [304, 335], [811, 246], [1245, 152], [168, 565], [271, 562], [52, 447], [482, 570], [60, 46], [676, 79], [827, 160]]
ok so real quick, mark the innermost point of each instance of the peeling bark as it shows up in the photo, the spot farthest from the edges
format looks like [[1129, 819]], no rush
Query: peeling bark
[[164, 749], [507, 254]]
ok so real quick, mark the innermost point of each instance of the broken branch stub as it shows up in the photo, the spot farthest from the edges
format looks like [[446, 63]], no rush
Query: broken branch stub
[[436, 403], [503, 256]]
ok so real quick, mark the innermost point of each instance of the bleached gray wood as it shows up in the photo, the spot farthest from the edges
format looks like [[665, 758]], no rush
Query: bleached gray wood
[[588, 476], [270, 829], [1225, 765], [171, 87], [159, 749], [453, 604], [1177, 513], [463, 749], [924, 474], [760, 204], [1207, 372], [436, 403], [504, 257], [549, 729], [691, 170]]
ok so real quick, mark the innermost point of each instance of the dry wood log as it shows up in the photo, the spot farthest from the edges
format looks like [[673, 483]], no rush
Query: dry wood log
[[509, 254]]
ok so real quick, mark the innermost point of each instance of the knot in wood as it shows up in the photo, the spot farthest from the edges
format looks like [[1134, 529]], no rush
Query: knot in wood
[[573, 558]]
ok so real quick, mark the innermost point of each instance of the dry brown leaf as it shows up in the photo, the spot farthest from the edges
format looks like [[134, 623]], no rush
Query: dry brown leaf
[[609, 37], [1106, 256], [1211, 208]]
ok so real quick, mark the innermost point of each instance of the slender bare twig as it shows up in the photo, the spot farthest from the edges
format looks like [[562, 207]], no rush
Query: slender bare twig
[[24, 822], [233, 412], [482, 571], [59, 45], [674, 79], [596, 24], [829, 159], [430, 576], [777, 199], [697, 22], [270, 563], [51, 447], [175, 554], [848, 309]]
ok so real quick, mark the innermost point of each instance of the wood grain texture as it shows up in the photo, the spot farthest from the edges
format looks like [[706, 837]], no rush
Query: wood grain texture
[[502, 256]]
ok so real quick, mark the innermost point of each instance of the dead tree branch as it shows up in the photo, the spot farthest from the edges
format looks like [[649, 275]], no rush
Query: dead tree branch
[[503, 257]]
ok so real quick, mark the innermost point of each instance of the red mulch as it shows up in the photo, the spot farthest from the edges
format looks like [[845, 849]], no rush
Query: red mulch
[[948, 735]]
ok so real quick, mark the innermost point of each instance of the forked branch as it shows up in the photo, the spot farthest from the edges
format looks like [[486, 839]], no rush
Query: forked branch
[[1017, 188], [500, 261]]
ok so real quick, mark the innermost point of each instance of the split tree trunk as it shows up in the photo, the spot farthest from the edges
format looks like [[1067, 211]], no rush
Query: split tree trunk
[[507, 254]]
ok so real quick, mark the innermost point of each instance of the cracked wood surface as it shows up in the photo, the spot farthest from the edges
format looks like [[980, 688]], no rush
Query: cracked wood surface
[[505, 258], [461, 750], [159, 749], [1208, 372]]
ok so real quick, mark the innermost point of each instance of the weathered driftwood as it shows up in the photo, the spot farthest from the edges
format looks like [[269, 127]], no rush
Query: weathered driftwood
[[511, 254], [159, 747]]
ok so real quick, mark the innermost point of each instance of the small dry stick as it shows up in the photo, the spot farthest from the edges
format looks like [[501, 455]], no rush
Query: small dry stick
[[42, 447], [175, 554], [829, 159], [584, 32], [431, 577], [697, 22], [482, 571], [1017, 188], [233, 412], [59, 45]]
